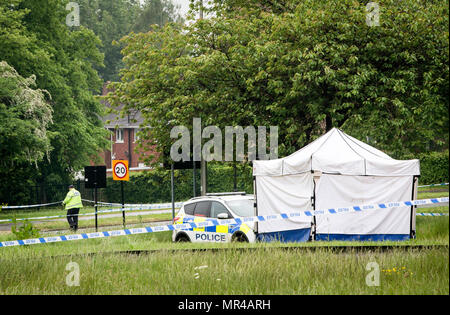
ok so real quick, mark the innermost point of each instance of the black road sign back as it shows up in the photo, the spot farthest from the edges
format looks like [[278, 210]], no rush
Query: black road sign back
[[95, 176]]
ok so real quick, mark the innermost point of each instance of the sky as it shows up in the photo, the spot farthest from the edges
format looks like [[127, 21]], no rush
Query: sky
[[184, 6]]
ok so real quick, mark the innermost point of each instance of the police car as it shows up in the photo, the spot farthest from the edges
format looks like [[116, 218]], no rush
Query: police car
[[216, 206]]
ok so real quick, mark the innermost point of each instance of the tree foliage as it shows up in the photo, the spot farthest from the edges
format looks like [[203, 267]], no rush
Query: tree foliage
[[65, 62], [25, 117], [305, 66], [37, 42], [111, 20]]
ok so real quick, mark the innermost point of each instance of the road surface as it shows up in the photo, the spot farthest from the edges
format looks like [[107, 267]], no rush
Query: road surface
[[7, 226]]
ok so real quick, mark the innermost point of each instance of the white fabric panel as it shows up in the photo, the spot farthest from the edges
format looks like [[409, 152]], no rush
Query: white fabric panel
[[284, 194], [383, 167], [338, 153], [296, 165], [333, 191], [362, 148], [300, 161], [268, 167], [377, 162], [335, 156]]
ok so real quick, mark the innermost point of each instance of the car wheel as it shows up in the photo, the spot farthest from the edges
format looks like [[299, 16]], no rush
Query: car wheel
[[182, 238], [239, 237]]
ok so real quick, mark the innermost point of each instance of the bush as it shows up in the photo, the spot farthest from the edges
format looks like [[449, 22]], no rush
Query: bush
[[26, 231], [433, 168]]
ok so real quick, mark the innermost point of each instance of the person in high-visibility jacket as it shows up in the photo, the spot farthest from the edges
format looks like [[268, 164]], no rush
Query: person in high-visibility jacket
[[73, 204]]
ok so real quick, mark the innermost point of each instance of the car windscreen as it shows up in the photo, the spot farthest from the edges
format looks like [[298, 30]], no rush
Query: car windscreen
[[242, 207]]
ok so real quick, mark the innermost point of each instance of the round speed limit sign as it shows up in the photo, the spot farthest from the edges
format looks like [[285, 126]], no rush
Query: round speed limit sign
[[120, 170]]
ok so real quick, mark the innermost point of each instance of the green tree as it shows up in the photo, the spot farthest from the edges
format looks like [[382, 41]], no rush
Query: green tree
[[111, 20], [305, 66], [25, 117], [36, 41], [156, 12], [72, 81]]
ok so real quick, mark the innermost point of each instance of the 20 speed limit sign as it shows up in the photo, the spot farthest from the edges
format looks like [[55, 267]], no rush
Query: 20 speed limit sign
[[120, 170]]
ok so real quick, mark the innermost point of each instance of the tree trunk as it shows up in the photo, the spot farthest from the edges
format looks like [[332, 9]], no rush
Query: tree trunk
[[328, 123]]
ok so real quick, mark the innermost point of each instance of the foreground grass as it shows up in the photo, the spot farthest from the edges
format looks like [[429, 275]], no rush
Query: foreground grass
[[428, 195], [262, 268], [265, 271]]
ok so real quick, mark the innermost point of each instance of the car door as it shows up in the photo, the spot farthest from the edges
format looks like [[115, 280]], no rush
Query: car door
[[217, 208], [196, 212], [203, 209], [224, 230], [207, 210]]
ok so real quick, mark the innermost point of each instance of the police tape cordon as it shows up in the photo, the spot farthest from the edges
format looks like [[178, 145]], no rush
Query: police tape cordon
[[214, 222], [141, 207]]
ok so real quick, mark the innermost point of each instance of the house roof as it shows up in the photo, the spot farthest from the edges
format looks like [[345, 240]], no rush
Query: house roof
[[134, 118]]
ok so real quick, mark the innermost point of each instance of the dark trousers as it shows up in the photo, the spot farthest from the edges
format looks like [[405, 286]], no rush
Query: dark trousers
[[72, 217]]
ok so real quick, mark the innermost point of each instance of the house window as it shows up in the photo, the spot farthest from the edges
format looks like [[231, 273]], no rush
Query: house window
[[136, 136], [119, 135]]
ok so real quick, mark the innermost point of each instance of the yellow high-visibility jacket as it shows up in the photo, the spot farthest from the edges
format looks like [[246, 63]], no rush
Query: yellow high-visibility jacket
[[73, 199]]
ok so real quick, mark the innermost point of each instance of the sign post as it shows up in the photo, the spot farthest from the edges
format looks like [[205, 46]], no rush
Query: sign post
[[172, 192], [95, 177], [121, 173]]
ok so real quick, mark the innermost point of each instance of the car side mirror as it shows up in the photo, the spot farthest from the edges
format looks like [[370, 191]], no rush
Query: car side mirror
[[222, 215]]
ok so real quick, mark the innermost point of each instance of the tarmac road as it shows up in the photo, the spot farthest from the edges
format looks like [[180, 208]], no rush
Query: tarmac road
[[7, 226]]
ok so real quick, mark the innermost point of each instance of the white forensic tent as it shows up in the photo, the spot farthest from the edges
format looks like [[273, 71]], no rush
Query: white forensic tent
[[336, 170]]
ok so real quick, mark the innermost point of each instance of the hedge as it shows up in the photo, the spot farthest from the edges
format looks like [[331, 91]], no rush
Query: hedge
[[154, 186], [433, 168]]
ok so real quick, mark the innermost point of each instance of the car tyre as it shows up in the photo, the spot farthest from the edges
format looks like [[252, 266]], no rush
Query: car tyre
[[182, 238], [240, 238]]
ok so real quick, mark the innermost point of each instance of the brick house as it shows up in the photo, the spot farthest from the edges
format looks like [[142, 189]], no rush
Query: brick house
[[123, 140]]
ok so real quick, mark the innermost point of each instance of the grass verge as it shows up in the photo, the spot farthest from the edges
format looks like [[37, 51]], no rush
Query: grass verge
[[266, 271]]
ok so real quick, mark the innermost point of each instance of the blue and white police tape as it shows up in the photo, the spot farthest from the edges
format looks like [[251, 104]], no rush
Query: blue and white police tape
[[32, 206], [434, 185], [156, 205], [146, 207], [106, 204], [429, 214], [214, 222]]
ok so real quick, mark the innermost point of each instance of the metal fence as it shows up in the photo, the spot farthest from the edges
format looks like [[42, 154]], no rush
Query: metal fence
[[40, 194]]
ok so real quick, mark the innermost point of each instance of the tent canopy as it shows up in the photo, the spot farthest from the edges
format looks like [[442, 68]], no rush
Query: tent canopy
[[337, 153]]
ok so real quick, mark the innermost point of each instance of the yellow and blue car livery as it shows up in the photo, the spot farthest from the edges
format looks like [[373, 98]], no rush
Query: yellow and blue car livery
[[217, 233], [216, 207]]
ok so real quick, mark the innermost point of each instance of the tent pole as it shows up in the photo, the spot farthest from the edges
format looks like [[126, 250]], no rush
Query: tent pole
[[412, 233], [255, 205], [172, 189], [203, 175], [313, 203]]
